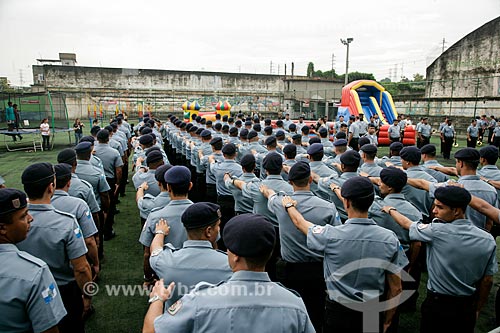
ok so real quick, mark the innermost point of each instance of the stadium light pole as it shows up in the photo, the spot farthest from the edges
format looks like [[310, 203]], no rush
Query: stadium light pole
[[346, 42]]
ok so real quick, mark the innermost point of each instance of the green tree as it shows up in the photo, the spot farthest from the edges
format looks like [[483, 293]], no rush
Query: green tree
[[418, 77], [310, 69]]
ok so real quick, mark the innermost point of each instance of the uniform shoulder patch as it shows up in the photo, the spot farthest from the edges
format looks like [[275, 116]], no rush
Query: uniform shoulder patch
[[422, 226], [78, 232], [318, 229], [49, 293]]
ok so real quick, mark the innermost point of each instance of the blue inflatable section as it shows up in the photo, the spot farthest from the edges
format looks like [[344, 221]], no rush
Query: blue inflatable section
[[343, 111], [387, 109]]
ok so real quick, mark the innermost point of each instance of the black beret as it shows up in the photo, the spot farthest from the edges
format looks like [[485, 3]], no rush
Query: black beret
[[248, 123], [188, 126], [238, 122], [233, 130], [193, 129], [146, 139], [95, 130], [299, 170], [280, 133], [453, 196], [11, 200], [154, 157], [369, 149], [216, 140], [279, 122], [209, 122], [290, 148], [247, 160], [206, 134], [489, 153], [270, 140], [268, 129], [393, 177], [229, 120], [37, 172], [363, 141], [113, 125], [467, 154], [396, 146], [160, 172], [177, 123], [296, 137], [103, 135], [109, 128], [272, 161], [267, 121], [341, 135], [83, 147], [305, 129], [314, 140], [178, 175], [257, 128], [88, 138], [67, 155], [350, 157], [292, 126], [244, 133], [200, 214], [146, 130], [199, 130], [182, 125], [428, 149], [302, 116], [322, 130], [225, 117], [62, 170], [340, 142], [249, 235], [218, 126], [229, 149], [152, 149], [357, 187], [411, 154], [252, 134], [198, 118], [315, 148]]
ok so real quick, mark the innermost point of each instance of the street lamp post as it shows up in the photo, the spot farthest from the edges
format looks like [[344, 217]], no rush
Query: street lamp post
[[346, 43]]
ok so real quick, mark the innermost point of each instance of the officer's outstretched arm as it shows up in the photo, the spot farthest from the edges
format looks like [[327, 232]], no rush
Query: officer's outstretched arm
[[300, 222], [157, 299], [494, 183], [485, 208], [402, 220], [419, 183]]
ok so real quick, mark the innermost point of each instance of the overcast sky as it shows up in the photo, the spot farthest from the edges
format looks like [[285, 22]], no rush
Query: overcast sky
[[236, 36]]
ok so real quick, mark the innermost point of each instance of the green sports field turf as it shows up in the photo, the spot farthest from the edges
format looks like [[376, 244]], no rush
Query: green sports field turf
[[122, 266]]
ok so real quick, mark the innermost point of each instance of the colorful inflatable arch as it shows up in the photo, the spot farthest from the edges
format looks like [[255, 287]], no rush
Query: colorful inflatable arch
[[367, 97], [222, 108]]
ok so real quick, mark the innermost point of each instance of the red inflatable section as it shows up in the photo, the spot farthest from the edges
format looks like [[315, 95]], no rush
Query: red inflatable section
[[409, 139]]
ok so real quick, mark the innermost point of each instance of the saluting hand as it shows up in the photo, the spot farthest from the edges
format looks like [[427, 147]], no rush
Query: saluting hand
[[227, 176], [163, 226], [288, 200], [160, 290]]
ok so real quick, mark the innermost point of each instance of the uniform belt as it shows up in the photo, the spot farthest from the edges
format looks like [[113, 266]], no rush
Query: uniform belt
[[450, 299]]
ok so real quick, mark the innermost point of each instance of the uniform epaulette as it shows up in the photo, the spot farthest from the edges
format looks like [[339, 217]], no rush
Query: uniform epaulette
[[290, 290], [204, 285], [65, 214], [156, 209], [220, 251], [31, 258], [86, 183]]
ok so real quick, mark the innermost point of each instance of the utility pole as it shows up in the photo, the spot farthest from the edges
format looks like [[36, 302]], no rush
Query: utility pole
[[346, 42], [21, 81], [396, 73], [333, 63], [444, 42]]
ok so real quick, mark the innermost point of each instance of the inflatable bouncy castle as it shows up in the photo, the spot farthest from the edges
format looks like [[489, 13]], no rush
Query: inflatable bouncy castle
[[189, 108]]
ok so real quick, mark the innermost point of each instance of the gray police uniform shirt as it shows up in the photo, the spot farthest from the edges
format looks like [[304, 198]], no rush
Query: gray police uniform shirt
[[242, 204], [398, 201], [148, 177], [326, 143], [206, 150], [222, 308], [56, 238], [458, 255], [321, 170], [259, 159], [79, 188], [293, 242], [219, 169], [324, 185], [354, 130], [96, 161], [394, 132], [355, 240], [197, 261], [210, 176], [110, 159], [473, 131], [147, 203], [78, 208], [94, 176], [490, 172], [480, 189], [394, 160], [372, 169], [289, 163], [419, 198], [448, 131], [438, 175], [29, 298], [116, 145], [425, 130], [172, 213], [251, 190]]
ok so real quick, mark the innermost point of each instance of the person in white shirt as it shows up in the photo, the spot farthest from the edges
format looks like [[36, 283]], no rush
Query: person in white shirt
[[45, 131]]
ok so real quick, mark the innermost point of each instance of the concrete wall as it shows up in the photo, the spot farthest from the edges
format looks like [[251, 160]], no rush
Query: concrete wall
[[476, 55]]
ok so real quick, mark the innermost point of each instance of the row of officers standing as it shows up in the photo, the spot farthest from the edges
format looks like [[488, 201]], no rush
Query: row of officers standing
[[305, 232]]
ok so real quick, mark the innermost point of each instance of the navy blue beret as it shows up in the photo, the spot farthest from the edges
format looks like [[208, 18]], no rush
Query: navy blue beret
[[83, 147], [206, 134], [252, 134], [340, 142], [323, 130], [248, 123], [363, 141], [247, 160], [268, 129], [270, 140], [160, 172], [489, 152], [290, 149], [146, 139], [88, 138], [103, 134], [67, 155], [357, 187], [244, 133], [178, 175], [199, 130], [272, 161], [280, 133], [292, 126], [198, 118], [411, 154], [257, 128], [193, 128], [188, 126], [38, 172], [467, 154], [154, 156], [279, 123], [182, 125], [233, 130], [369, 149], [453, 196], [229, 149], [396, 146], [340, 135], [249, 235], [200, 214], [350, 158], [226, 118], [314, 140], [238, 122], [305, 129], [152, 149], [315, 148], [216, 140], [11, 200], [62, 170], [296, 137], [146, 130], [428, 149], [299, 170], [393, 177], [209, 122]]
